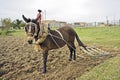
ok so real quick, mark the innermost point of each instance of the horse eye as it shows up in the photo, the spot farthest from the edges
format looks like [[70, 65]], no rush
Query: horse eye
[[26, 29]]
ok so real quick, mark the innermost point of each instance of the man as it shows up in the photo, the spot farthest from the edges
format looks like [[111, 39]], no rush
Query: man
[[38, 21], [43, 28], [39, 18]]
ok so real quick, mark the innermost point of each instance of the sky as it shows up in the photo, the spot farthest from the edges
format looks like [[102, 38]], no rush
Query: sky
[[62, 10]]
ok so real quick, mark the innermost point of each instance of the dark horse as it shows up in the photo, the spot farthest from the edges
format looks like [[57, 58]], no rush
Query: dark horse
[[55, 39]]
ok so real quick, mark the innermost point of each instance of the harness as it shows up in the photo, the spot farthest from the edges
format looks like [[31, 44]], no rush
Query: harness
[[59, 38], [59, 33]]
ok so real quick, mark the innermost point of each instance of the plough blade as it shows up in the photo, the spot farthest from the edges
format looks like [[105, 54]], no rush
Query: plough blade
[[85, 51], [95, 52]]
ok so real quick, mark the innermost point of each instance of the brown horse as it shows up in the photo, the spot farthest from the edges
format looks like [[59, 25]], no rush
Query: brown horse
[[55, 39]]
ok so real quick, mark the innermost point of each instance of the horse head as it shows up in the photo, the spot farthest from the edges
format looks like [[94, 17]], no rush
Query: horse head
[[31, 29]]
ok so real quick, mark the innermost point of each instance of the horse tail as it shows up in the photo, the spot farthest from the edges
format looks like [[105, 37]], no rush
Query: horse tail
[[80, 42]]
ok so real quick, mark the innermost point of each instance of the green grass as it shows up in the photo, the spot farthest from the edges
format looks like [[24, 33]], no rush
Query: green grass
[[4, 32], [105, 36], [109, 70], [12, 32], [17, 33]]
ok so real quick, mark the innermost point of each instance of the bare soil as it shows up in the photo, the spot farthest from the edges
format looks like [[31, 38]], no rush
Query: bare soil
[[21, 62]]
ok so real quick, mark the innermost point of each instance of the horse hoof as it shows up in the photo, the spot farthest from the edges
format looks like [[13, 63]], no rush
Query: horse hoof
[[43, 71], [70, 59], [74, 59]]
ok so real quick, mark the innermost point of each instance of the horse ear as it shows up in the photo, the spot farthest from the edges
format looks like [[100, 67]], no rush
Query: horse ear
[[25, 19]]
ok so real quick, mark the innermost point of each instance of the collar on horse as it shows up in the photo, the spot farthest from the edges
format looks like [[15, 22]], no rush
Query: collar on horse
[[59, 33]]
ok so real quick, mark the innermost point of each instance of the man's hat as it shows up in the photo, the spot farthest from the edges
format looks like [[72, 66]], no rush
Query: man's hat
[[39, 10]]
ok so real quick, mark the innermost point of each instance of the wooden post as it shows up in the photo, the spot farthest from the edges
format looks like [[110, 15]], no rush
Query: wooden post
[[107, 21], [114, 21], [95, 24]]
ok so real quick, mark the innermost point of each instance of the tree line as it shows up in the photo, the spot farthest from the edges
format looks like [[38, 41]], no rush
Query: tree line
[[7, 24]]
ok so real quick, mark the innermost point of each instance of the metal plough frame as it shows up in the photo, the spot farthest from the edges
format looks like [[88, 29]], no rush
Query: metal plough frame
[[94, 52]]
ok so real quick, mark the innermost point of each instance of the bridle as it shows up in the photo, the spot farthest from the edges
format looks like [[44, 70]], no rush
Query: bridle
[[31, 24]]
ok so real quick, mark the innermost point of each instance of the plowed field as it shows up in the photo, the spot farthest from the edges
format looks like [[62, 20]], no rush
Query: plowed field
[[21, 62]]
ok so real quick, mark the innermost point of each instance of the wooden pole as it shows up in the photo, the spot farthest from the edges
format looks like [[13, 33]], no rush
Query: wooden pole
[[119, 22]]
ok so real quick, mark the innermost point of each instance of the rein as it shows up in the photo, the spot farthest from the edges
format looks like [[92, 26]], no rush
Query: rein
[[54, 39]]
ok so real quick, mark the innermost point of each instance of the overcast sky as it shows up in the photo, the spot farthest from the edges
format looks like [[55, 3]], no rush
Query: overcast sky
[[62, 10]]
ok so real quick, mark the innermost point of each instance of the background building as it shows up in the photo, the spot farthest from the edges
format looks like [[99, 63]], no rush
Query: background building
[[54, 23]]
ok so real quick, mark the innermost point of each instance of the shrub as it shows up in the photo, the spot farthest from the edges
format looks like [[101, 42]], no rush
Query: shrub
[[4, 32]]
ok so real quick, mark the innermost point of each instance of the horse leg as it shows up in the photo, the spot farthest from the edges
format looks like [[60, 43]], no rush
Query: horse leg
[[70, 56], [74, 56], [45, 54], [72, 49]]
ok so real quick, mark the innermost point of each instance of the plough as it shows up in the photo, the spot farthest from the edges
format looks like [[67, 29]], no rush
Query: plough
[[94, 52]]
